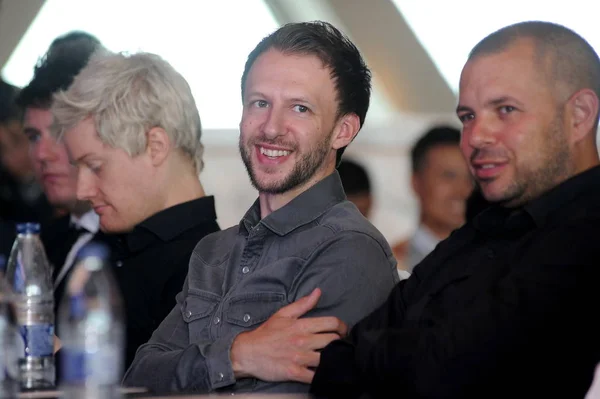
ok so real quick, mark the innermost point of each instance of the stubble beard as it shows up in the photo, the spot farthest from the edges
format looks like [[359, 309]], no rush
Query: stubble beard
[[305, 168]]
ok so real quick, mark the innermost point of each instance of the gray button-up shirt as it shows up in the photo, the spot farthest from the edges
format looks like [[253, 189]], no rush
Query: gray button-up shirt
[[240, 276]]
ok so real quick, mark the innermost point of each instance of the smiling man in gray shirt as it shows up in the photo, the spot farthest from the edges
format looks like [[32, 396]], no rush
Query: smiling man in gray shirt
[[305, 92]]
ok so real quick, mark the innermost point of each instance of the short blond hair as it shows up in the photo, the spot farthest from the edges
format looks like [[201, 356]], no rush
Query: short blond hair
[[126, 95]]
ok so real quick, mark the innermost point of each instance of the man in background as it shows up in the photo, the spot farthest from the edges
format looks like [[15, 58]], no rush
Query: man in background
[[75, 223], [442, 184], [21, 196]]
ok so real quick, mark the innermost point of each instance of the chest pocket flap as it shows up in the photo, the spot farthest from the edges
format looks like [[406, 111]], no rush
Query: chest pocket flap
[[198, 304], [246, 310]]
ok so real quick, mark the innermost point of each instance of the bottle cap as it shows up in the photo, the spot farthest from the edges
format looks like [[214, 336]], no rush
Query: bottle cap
[[95, 249], [28, 228]]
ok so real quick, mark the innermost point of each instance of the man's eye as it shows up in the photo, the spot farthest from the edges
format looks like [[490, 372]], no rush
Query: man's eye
[[33, 138], [506, 109], [300, 108], [465, 117], [261, 103], [94, 168]]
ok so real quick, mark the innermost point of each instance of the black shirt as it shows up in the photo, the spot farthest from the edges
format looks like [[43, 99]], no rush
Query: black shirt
[[507, 306], [151, 263]]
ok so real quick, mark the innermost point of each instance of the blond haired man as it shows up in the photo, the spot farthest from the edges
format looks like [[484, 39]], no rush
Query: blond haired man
[[131, 127]]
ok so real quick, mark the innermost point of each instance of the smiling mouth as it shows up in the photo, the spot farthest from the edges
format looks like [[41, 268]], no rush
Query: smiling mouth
[[274, 153], [488, 171]]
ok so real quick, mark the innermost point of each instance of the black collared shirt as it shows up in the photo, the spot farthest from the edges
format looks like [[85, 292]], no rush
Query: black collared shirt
[[151, 263], [239, 277], [507, 306]]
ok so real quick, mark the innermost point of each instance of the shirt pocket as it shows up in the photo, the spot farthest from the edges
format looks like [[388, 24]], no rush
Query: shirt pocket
[[247, 310], [196, 311]]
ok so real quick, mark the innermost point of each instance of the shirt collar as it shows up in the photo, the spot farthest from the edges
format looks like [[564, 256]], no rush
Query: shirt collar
[[171, 222], [89, 221], [303, 209]]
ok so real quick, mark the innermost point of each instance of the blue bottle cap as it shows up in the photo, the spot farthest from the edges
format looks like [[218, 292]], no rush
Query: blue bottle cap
[[95, 249], [28, 228]]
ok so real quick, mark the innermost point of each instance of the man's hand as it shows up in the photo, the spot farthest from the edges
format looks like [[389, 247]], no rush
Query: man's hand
[[285, 347]]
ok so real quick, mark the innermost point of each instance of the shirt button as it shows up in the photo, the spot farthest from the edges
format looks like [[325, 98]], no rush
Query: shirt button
[[246, 317], [217, 320], [119, 263], [221, 376], [491, 254], [245, 269], [188, 314]]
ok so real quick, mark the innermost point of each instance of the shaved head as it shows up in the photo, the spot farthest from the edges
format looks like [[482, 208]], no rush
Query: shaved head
[[568, 60]]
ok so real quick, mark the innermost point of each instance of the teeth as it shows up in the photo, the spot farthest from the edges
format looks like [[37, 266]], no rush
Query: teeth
[[488, 166], [273, 153]]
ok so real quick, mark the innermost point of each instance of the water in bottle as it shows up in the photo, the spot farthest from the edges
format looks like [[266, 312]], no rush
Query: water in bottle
[[91, 322], [29, 276]]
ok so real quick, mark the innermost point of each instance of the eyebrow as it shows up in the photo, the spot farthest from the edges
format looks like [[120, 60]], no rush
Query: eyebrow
[[463, 108], [501, 100], [296, 99], [300, 100], [253, 94], [493, 102]]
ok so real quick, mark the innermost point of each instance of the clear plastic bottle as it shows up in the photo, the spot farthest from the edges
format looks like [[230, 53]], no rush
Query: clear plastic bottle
[[91, 322], [29, 276], [9, 369]]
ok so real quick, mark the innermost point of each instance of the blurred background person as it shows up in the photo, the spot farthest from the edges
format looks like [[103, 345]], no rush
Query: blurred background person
[[357, 185], [74, 223], [21, 197], [442, 184]]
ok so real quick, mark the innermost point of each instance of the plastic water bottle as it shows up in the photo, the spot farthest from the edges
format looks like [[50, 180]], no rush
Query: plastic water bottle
[[29, 276], [91, 322], [9, 369]]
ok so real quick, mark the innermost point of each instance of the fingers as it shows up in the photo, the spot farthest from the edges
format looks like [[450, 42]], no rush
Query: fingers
[[323, 324], [319, 341], [302, 374], [301, 306]]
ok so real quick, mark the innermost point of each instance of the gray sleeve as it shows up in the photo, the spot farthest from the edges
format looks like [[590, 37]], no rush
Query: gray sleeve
[[167, 363], [355, 273]]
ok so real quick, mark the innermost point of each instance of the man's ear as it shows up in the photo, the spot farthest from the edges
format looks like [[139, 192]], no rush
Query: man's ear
[[347, 128], [158, 145], [582, 109]]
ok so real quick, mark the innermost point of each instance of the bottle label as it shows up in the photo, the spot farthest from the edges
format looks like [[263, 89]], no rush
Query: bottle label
[[38, 340], [101, 367]]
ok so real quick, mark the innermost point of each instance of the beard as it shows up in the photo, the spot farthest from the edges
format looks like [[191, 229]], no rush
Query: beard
[[304, 169], [553, 166]]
